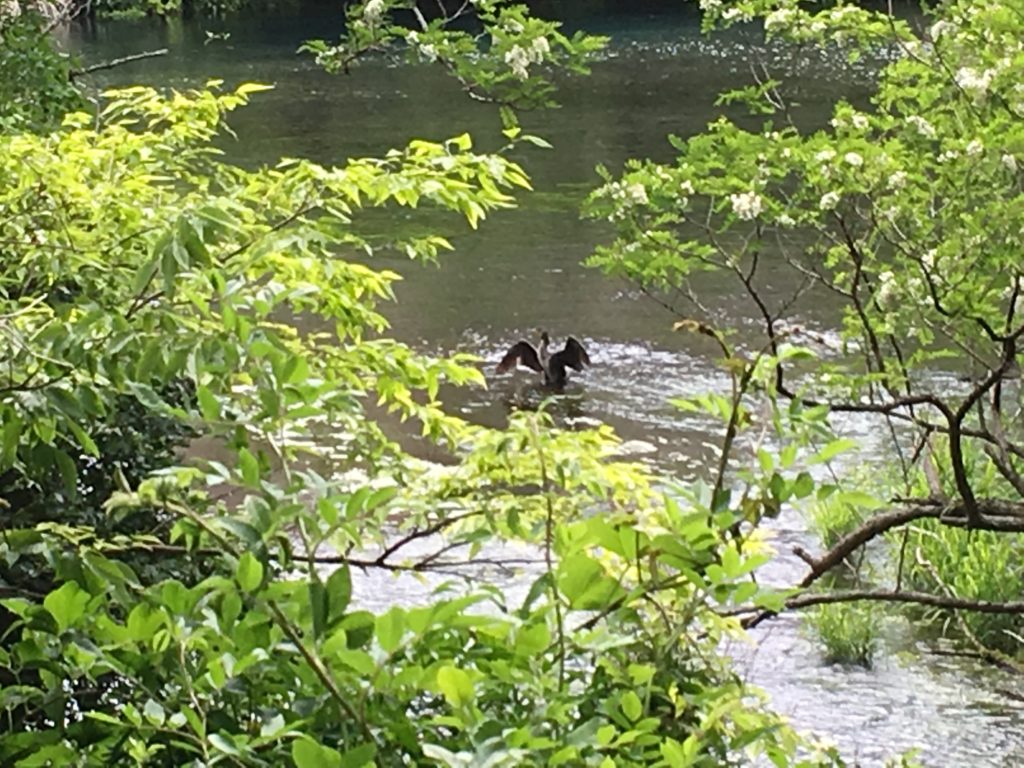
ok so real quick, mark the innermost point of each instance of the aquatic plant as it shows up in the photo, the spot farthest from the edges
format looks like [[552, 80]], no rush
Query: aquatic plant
[[848, 632]]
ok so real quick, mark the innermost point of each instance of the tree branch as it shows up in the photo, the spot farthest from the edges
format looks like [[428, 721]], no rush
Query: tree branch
[[993, 515], [887, 596], [117, 62]]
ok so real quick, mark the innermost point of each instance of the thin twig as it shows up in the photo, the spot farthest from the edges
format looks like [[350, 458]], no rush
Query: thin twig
[[118, 62]]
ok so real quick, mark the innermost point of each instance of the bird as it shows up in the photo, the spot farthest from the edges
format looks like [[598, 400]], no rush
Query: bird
[[551, 365]]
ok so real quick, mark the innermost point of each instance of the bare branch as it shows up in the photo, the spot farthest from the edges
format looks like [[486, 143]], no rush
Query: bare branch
[[888, 596], [117, 62]]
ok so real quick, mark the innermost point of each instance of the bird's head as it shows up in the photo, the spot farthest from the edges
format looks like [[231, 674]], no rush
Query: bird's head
[[544, 337]]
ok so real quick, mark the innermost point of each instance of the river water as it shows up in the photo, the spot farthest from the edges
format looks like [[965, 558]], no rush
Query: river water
[[522, 271]]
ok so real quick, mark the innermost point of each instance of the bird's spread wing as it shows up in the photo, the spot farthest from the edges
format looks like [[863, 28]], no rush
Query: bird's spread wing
[[573, 356], [523, 353]]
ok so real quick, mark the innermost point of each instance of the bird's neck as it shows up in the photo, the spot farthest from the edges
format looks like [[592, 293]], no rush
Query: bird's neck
[[542, 352]]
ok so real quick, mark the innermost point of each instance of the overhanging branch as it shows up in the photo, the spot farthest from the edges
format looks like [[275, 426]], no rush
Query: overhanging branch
[[994, 515], [888, 596]]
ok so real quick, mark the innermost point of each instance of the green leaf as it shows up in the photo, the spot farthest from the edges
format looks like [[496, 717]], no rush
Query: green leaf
[[339, 593], [390, 629], [803, 486], [456, 686], [224, 743], [318, 605], [66, 604], [859, 499], [249, 466], [84, 440], [249, 572], [308, 754], [151, 357], [241, 530], [209, 405], [584, 582], [537, 141], [359, 756], [360, 661], [631, 706], [533, 640], [144, 275], [833, 449], [11, 437], [68, 472], [169, 270], [143, 622], [672, 752], [154, 712]]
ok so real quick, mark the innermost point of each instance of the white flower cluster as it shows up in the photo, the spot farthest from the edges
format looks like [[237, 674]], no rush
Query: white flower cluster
[[829, 201], [637, 193], [898, 180], [1010, 162], [974, 148], [373, 12], [737, 14], [9, 10], [886, 292], [746, 205], [779, 19], [710, 5], [427, 51], [940, 28], [495, 168], [825, 158], [923, 127], [974, 83], [858, 121], [854, 159], [519, 59], [840, 12], [626, 194]]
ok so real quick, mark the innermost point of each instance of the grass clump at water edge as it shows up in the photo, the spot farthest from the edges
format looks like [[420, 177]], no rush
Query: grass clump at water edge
[[848, 632]]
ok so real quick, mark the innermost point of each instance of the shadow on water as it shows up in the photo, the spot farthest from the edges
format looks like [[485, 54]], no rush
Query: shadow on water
[[522, 270]]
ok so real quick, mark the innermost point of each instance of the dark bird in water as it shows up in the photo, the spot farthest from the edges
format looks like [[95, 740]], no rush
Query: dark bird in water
[[551, 365]]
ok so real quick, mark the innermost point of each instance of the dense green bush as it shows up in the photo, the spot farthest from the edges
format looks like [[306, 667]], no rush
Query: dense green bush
[[186, 270], [35, 80]]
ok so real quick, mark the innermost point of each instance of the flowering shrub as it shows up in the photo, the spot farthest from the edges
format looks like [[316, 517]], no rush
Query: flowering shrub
[[904, 218]]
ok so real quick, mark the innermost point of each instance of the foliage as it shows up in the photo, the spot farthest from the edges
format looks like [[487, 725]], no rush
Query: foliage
[[139, 261], [137, 9], [905, 215], [979, 565], [847, 631], [507, 57], [835, 517], [35, 82]]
